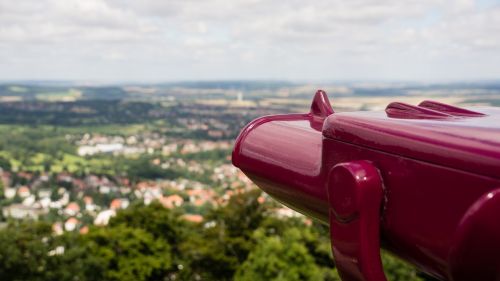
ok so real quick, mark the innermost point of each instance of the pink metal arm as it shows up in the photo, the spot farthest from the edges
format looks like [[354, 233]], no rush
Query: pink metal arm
[[355, 195]]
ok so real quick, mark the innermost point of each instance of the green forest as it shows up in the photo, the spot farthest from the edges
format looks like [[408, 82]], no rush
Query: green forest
[[240, 242]]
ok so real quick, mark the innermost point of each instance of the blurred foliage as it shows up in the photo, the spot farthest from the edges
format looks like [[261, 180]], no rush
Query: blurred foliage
[[240, 241], [123, 253], [280, 258]]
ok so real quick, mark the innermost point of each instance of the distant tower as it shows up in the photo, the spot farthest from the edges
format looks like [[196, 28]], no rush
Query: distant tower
[[240, 96]]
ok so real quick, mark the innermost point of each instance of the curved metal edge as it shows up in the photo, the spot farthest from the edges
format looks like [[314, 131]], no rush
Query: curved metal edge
[[475, 254]]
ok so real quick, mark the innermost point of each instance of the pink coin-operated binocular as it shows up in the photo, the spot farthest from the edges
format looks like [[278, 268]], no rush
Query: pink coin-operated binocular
[[421, 181]]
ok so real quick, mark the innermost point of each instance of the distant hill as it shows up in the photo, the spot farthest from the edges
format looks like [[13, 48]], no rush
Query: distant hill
[[63, 91]]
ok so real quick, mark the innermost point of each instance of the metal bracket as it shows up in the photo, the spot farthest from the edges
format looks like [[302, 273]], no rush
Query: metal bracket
[[355, 196]]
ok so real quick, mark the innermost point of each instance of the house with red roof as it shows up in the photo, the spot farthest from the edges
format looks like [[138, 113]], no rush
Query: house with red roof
[[72, 209]]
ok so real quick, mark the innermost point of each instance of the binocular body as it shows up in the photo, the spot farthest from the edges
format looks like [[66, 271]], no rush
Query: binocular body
[[420, 181]]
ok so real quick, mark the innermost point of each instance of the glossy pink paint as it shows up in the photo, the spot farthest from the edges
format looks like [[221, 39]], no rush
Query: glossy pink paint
[[355, 192], [437, 204]]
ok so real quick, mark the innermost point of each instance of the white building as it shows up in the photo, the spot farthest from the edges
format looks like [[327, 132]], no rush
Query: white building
[[10, 192], [30, 200], [71, 224], [104, 217], [20, 211]]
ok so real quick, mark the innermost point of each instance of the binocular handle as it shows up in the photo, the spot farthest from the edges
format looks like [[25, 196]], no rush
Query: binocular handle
[[355, 194]]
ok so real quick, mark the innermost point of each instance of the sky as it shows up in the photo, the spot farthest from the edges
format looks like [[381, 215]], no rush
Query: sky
[[171, 40]]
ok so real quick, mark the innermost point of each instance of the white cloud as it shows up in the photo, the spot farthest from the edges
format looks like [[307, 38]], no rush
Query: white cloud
[[60, 20], [219, 39]]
